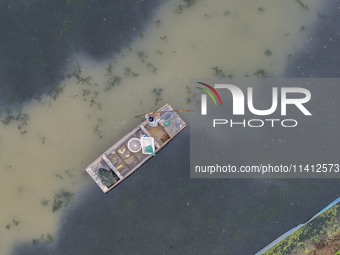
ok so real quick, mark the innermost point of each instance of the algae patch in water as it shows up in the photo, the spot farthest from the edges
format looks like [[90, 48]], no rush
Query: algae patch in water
[[16, 223], [62, 198], [48, 239], [259, 72], [268, 52]]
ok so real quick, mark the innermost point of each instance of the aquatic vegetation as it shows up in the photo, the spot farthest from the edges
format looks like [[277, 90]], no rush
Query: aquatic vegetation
[[323, 16], [69, 174], [63, 197], [162, 37], [302, 4], [230, 76], [268, 52], [127, 70], [260, 72], [188, 3], [261, 9], [285, 35], [38, 98], [86, 92], [45, 202], [54, 93], [158, 22], [59, 176], [246, 75], [154, 69], [157, 99], [76, 49], [142, 56], [41, 138], [218, 72], [48, 239], [157, 91], [19, 111], [141, 35], [67, 24], [145, 13], [98, 132], [7, 120], [11, 101], [16, 223], [180, 9], [289, 56], [99, 105], [109, 70], [226, 13], [75, 71], [159, 52], [188, 91], [8, 111], [93, 102], [303, 28], [35, 241], [84, 80], [22, 118], [112, 81]]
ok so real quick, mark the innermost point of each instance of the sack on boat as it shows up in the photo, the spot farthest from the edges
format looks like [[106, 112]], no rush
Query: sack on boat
[[149, 149], [167, 123], [107, 177]]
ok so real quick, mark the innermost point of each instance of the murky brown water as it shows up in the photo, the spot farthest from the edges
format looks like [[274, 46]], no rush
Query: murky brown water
[[65, 135]]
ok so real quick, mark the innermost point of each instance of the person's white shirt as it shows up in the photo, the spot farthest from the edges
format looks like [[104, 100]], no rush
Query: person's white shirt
[[153, 123]]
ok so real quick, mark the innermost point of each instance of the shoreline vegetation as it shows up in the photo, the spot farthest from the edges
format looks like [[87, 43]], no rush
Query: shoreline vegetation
[[320, 233]]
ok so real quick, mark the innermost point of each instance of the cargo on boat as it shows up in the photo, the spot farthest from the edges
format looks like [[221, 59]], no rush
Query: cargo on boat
[[134, 149]]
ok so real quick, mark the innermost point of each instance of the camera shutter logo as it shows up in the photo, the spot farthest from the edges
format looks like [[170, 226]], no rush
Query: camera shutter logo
[[238, 99], [204, 97]]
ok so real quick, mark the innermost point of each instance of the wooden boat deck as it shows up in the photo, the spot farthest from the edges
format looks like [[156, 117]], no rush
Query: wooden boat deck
[[122, 162]]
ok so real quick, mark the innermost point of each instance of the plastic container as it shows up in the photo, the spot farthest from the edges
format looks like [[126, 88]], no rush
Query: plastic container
[[147, 141], [134, 145]]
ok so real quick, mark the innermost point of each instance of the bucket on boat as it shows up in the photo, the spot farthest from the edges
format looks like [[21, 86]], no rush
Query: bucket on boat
[[134, 145], [148, 141]]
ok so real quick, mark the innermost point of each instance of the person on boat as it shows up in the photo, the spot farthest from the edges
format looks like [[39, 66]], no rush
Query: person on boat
[[153, 119]]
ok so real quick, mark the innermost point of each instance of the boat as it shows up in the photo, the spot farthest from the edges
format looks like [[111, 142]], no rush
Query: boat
[[119, 161]]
